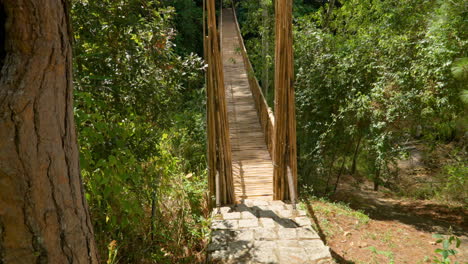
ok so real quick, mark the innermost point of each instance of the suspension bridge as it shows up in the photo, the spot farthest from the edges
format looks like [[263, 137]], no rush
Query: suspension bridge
[[252, 151]]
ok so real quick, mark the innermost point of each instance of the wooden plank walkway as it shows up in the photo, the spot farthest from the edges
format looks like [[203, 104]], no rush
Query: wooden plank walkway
[[251, 161]]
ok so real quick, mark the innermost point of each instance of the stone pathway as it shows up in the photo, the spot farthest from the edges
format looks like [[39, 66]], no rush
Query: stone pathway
[[260, 231]]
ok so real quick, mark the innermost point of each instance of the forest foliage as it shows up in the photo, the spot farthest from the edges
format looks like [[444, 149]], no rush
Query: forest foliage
[[371, 78], [139, 112]]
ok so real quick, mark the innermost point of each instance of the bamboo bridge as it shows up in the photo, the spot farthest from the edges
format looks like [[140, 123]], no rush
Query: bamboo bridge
[[252, 151]]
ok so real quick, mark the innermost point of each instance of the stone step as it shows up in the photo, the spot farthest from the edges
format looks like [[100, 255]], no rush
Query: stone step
[[264, 232]]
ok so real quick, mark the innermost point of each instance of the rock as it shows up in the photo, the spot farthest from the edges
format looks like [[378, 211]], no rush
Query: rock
[[265, 255], [302, 221], [246, 234], [265, 234], [307, 233], [259, 234], [247, 215], [247, 223], [225, 224], [285, 213], [287, 233], [230, 216], [267, 222]]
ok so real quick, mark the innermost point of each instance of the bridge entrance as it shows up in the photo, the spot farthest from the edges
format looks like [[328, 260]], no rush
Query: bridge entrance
[[251, 150], [251, 224]]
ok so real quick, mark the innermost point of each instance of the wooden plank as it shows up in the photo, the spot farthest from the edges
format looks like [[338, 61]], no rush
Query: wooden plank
[[252, 168]]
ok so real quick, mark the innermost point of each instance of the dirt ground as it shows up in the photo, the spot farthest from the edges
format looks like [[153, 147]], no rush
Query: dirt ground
[[396, 231]]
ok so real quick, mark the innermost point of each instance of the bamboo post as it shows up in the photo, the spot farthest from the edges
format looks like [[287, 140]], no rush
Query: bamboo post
[[265, 48], [284, 149], [219, 145], [210, 120]]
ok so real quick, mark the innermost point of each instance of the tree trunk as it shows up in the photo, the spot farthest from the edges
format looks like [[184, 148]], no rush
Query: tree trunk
[[153, 214], [330, 170], [339, 174], [44, 216], [377, 180], [355, 156], [331, 5]]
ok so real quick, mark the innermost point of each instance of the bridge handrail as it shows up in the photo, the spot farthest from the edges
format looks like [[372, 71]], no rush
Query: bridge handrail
[[266, 116]]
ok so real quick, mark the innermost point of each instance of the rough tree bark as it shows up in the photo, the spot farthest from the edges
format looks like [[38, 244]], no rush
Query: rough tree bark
[[44, 217]]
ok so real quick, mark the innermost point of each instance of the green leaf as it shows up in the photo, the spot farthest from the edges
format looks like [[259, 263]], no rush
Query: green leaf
[[446, 244], [458, 242], [460, 69], [445, 254]]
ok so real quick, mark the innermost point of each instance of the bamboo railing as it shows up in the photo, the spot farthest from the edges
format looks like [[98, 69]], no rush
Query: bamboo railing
[[279, 131], [281, 141], [265, 114], [220, 179]]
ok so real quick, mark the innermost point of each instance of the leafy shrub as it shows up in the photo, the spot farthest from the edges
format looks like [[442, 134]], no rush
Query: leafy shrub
[[141, 130], [370, 76], [446, 251], [456, 183]]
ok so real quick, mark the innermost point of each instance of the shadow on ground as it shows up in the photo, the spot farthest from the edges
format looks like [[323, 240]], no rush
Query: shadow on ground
[[340, 259], [424, 216]]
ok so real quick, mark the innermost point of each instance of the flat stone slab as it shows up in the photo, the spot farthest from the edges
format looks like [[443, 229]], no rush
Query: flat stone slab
[[265, 232]]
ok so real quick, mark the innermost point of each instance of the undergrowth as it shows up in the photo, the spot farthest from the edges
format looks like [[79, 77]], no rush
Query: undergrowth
[[322, 209]]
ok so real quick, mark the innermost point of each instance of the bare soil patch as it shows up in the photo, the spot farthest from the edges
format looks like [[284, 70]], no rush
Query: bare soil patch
[[397, 230]]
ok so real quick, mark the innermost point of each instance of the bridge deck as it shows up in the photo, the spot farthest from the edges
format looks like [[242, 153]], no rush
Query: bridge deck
[[251, 161]]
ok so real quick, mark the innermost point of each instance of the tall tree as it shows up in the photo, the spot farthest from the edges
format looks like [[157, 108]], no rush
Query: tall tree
[[43, 212]]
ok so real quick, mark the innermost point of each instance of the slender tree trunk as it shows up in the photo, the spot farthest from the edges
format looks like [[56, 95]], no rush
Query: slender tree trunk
[[355, 156], [377, 180], [330, 170], [153, 214], [348, 147], [44, 216], [339, 174], [331, 5]]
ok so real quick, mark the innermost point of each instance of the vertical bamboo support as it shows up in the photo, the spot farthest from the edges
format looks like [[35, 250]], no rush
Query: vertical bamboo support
[[265, 48], [219, 149], [284, 153], [211, 149]]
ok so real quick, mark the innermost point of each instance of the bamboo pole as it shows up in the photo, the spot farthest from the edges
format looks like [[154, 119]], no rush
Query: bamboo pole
[[265, 48], [220, 160], [211, 149], [284, 149]]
